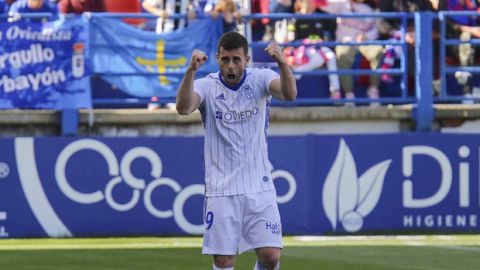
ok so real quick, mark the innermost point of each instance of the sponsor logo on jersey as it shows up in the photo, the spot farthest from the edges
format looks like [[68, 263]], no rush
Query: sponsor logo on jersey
[[221, 97], [275, 228], [232, 116]]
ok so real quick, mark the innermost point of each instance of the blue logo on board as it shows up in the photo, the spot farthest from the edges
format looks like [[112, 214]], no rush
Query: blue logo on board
[[347, 197]]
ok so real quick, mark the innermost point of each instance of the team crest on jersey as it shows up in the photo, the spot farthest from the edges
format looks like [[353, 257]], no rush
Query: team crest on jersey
[[221, 97], [248, 92]]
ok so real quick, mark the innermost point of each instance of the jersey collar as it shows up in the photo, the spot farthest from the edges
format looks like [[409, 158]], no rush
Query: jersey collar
[[237, 86]]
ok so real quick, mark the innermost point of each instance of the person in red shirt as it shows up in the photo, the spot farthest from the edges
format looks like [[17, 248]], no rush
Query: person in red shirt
[[32, 6], [80, 6]]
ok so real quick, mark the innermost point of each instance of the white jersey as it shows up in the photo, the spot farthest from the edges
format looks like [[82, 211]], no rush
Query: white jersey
[[236, 123]]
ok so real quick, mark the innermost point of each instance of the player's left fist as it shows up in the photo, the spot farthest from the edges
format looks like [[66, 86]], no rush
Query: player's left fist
[[274, 50]]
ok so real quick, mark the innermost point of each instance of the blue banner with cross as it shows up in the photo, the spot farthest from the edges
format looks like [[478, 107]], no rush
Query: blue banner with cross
[[145, 64]]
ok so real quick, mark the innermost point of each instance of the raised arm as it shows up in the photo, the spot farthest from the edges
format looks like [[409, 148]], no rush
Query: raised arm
[[284, 88], [187, 99]]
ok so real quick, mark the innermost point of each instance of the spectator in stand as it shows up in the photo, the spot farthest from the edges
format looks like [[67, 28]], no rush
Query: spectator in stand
[[163, 9], [230, 12], [277, 6], [312, 56], [305, 28], [80, 6], [463, 24], [262, 26], [308, 57], [463, 28], [372, 3], [283, 6], [389, 28], [356, 30], [33, 6], [198, 7]]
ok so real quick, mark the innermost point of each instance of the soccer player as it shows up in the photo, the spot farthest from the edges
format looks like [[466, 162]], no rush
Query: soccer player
[[241, 212]]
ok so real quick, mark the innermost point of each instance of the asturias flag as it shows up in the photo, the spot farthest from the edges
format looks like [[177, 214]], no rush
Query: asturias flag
[[145, 64]]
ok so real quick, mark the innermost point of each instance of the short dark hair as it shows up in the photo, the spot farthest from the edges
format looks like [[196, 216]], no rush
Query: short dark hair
[[231, 41]]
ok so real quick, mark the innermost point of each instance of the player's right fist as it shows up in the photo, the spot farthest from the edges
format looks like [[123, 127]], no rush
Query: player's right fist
[[198, 59]]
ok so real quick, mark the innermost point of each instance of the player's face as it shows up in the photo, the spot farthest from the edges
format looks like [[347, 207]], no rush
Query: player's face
[[232, 65]]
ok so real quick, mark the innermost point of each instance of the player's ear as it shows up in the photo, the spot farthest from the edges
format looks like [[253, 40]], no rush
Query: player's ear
[[247, 58]]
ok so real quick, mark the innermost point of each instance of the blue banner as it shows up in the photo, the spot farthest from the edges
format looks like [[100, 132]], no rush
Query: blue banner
[[425, 183], [124, 55], [44, 65]]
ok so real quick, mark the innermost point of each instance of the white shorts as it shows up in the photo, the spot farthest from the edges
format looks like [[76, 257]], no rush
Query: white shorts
[[235, 224]]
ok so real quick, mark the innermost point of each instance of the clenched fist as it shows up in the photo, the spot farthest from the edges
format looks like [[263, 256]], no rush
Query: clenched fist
[[198, 59], [274, 50]]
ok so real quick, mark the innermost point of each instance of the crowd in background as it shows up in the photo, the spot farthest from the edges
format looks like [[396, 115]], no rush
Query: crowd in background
[[311, 55], [367, 29]]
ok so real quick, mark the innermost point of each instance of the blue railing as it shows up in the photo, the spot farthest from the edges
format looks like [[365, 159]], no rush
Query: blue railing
[[402, 70], [424, 113], [444, 43]]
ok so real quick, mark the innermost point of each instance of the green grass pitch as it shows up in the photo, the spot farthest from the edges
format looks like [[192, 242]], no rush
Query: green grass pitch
[[300, 253]]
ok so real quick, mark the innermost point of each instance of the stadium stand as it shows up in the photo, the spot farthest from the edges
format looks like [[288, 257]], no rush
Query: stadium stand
[[313, 84]]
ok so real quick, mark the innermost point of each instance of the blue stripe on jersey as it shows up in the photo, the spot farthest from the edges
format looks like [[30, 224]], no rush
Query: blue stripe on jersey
[[238, 85], [203, 115], [267, 116]]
